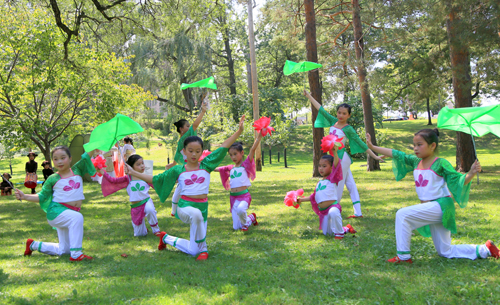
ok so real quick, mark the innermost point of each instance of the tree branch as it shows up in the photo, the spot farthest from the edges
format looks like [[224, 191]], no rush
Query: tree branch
[[163, 100]]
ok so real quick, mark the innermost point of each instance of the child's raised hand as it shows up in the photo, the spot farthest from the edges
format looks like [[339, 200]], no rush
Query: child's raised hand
[[369, 140], [241, 124], [299, 199], [476, 167], [19, 194], [128, 169], [306, 93], [102, 170]]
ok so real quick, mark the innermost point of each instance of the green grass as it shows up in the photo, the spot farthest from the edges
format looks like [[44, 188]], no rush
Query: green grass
[[285, 260]]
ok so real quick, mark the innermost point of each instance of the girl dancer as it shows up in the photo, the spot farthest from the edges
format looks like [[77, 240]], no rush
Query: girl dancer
[[434, 178], [339, 127], [128, 148], [185, 131], [138, 191], [241, 173], [194, 179], [61, 198], [32, 167], [324, 199]]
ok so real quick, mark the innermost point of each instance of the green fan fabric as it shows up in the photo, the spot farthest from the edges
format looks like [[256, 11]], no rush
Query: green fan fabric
[[303, 66], [204, 83], [476, 121], [105, 136]]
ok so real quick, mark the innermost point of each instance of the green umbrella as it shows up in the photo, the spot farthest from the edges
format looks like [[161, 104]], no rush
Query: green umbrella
[[476, 121], [204, 83], [303, 66], [105, 136]]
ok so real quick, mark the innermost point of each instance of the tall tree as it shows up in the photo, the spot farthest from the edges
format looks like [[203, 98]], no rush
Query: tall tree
[[314, 83]]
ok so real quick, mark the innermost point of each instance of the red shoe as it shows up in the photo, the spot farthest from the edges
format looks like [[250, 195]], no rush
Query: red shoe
[[396, 260], [28, 249], [354, 216], [81, 258], [202, 257], [172, 215], [162, 245], [339, 237], [490, 245], [351, 229], [254, 220], [244, 228], [157, 233]]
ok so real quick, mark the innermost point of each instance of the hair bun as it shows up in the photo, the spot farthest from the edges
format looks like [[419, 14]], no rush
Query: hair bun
[[436, 131]]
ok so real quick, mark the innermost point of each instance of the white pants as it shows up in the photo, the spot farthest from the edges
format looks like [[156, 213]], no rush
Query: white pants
[[150, 211], [240, 218], [430, 213], [197, 232], [348, 181], [332, 223], [69, 225], [175, 199]]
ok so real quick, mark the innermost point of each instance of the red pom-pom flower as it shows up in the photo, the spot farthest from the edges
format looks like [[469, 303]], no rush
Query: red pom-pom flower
[[262, 126], [329, 141], [204, 154], [291, 198], [99, 163]]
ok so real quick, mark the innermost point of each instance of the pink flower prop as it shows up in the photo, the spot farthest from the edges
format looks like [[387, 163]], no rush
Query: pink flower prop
[[204, 154], [291, 198], [262, 126], [329, 141], [99, 163]]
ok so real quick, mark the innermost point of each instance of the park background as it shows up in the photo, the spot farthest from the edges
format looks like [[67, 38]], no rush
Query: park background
[[72, 65]]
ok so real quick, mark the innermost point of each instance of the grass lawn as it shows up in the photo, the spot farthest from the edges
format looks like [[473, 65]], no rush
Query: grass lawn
[[284, 260]]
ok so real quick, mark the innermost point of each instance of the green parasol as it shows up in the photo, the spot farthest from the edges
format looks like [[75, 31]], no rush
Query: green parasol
[[204, 83], [303, 66], [476, 121], [105, 136]]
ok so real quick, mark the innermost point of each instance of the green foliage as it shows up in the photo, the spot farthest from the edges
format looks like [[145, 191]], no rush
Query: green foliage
[[43, 95]]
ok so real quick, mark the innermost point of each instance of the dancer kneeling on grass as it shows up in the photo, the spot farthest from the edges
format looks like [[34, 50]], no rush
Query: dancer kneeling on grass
[[324, 199], [138, 191], [194, 180], [434, 178], [240, 173], [61, 198]]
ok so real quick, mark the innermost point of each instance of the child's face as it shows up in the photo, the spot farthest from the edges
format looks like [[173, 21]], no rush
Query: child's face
[[193, 152], [324, 168], [343, 114], [421, 148], [46, 166], [235, 155], [31, 157], [184, 128], [139, 166], [6, 177], [61, 160]]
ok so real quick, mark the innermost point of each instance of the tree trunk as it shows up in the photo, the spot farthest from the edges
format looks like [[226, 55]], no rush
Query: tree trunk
[[262, 154], [314, 84], [230, 61], [278, 157], [363, 83], [270, 160], [255, 90], [429, 112], [284, 156], [460, 70]]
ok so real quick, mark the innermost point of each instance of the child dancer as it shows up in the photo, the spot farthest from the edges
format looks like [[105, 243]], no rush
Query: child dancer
[[138, 191], [185, 131], [241, 173], [6, 186], [324, 199], [339, 127], [32, 167], [61, 198], [47, 170], [434, 178], [128, 148], [194, 179]]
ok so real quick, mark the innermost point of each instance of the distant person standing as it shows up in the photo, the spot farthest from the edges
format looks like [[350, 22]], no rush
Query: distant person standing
[[31, 168], [128, 149], [47, 170]]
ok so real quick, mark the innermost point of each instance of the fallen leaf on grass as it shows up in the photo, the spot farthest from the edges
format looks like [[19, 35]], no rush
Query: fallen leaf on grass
[[124, 255]]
